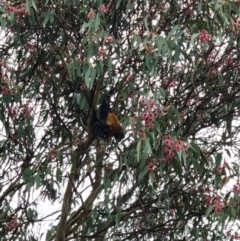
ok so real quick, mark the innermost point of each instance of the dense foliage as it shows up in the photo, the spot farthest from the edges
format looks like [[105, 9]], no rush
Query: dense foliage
[[175, 66]]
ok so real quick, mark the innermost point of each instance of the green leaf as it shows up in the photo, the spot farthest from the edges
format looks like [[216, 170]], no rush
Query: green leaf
[[47, 17], [194, 147], [170, 34], [110, 66], [59, 175], [217, 181], [177, 166], [87, 77], [218, 159], [27, 174], [177, 53], [162, 92], [106, 182], [180, 33], [138, 149], [196, 165], [194, 36], [145, 20], [233, 212], [136, 41], [118, 217], [229, 120], [77, 97], [93, 76], [209, 210], [147, 150], [143, 173], [97, 22], [34, 5], [27, 6], [159, 43], [38, 180], [99, 69]]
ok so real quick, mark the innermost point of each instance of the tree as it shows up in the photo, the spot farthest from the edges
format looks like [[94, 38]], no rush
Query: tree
[[175, 67]]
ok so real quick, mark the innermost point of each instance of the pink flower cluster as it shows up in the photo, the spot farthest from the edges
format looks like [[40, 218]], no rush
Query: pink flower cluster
[[151, 167], [236, 188], [5, 90], [30, 47], [204, 36], [218, 206], [229, 61], [236, 25], [91, 14], [14, 111], [189, 12], [171, 212], [103, 8], [208, 200], [83, 87], [213, 72], [26, 111], [200, 116], [13, 223], [109, 39], [101, 53], [5, 66], [172, 147], [20, 10], [220, 170], [234, 236], [149, 114], [191, 102], [167, 83], [79, 141], [142, 133], [130, 78], [215, 201], [52, 156]]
